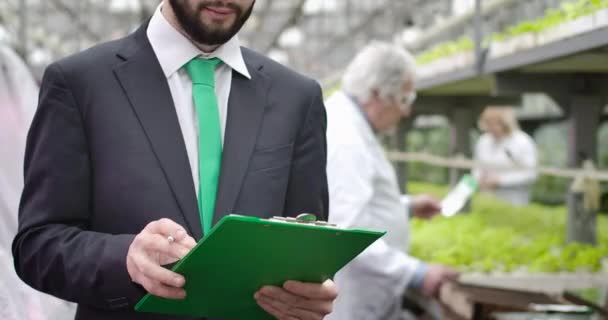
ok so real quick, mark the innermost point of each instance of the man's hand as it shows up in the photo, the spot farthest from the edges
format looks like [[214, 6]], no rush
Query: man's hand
[[161, 242], [435, 277], [297, 300], [424, 206]]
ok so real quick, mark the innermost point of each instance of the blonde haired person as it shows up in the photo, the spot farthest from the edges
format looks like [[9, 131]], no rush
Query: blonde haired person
[[505, 156]]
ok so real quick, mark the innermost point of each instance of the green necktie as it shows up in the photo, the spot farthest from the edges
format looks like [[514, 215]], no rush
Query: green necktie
[[202, 73]]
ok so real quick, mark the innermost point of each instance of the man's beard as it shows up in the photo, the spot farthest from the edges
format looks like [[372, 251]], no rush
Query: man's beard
[[205, 34]]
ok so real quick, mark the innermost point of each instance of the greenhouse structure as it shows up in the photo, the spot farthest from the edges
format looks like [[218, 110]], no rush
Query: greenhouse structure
[[304, 159]]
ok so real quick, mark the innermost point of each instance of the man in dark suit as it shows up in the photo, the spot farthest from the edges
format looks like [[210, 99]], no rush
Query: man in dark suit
[[141, 144]]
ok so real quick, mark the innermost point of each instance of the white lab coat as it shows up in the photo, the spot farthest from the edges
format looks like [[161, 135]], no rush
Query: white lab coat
[[18, 99], [364, 193], [517, 149]]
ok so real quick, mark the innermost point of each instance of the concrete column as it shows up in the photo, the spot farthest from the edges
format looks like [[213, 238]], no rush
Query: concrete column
[[462, 120], [584, 119], [401, 145]]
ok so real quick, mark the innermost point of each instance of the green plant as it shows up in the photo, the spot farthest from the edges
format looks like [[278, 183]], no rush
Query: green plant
[[550, 190], [433, 141], [496, 236], [331, 90], [567, 11], [445, 49]]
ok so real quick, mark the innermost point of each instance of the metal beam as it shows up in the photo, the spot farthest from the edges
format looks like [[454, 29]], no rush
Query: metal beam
[[427, 105], [517, 83], [479, 56], [263, 13], [293, 19], [338, 41], [591, 62], [458, 22], [76, 19], [447, 78], [23, 27], [540, 56], [558, 49], [555, 85]]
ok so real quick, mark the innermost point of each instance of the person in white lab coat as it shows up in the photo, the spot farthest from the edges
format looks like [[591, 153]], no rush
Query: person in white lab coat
[[377, 92], [18, 99], [504, 145]]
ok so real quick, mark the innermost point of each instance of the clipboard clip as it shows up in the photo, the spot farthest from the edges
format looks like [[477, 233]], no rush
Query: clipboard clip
[[304, 218]]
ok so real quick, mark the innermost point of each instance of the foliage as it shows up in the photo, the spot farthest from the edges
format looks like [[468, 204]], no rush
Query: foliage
[[496, 236], [550, 190], [568, 11], [445, 49], [433, 141], [330, 91], [590, 294]]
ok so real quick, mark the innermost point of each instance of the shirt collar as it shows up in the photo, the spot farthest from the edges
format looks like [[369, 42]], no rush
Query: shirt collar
[[359, 108], [173, 50]]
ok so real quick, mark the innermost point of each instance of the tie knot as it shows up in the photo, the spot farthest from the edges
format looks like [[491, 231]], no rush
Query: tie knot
[[202, 71]]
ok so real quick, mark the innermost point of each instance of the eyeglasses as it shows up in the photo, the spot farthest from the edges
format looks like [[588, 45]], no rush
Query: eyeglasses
[[407, 101]]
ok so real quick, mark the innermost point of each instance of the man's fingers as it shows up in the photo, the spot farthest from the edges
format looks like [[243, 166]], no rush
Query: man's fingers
[[188, 242], [292, 301], [303, 314], [157, 273], [268, 308], [452, 274], [435, 206], [274, 307], [282, 295], [324, 291], [157, 243], [163, 291], [167, 227], [290, 312]]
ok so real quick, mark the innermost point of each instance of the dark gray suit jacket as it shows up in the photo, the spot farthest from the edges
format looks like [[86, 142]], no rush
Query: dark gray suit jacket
[[105, 156]]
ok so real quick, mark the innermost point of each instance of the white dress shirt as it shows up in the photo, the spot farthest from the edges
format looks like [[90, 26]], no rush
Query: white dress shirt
[[517, 149], [364, 193], [173, 50]]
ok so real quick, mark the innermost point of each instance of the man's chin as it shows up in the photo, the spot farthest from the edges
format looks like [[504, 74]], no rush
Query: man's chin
[[218, 27], [216, 24]]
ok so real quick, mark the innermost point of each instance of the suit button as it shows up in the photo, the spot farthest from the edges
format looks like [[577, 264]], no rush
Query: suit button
[[118, 303]]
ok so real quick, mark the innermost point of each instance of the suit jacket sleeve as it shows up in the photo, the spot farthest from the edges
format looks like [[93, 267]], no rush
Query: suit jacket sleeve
[[307, 188], [54, 250]]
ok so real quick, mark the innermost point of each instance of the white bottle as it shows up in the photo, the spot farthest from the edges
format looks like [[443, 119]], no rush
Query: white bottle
[[458, 197]]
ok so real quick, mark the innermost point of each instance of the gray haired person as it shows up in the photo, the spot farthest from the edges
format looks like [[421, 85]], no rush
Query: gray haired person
[[377, 92]]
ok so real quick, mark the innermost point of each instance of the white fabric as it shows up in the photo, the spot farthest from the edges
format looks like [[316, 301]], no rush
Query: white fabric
[[517, 149], [173, 51], [364, 193], [18, 99]]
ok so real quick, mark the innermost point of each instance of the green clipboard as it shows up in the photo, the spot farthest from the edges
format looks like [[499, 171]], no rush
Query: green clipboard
[[241, 254]]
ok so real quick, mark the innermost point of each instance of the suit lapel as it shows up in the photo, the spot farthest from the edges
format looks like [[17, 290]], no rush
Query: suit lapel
[[146, 87], [248, 99]]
